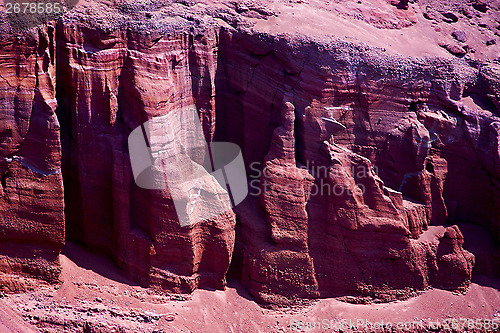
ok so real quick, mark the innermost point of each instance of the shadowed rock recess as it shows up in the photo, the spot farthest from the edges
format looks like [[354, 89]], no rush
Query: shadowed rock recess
[[359, 162]]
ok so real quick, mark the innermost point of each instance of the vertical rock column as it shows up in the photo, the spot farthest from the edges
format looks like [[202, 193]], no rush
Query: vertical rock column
[[31, 188], [285, 263], [109, 84]]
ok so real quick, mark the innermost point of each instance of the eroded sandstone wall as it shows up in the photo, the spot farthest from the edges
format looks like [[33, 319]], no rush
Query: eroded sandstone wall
[[110, 83], [31, 190], [395, 148], [359, 162]]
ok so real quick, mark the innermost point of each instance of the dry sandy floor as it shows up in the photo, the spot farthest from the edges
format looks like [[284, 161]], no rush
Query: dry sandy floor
[[96, 297]]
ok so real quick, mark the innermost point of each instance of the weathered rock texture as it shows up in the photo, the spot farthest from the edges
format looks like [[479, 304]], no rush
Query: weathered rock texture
[[411, 158], [108, 85], [31, 190], [359, 162]]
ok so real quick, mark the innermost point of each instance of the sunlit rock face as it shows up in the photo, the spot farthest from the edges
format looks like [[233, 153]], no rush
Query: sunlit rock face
[[391, 152], [31, 188]]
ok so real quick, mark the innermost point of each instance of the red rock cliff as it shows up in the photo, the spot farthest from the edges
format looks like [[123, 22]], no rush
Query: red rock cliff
[[395, 149], [31, 190], [359, 161], [109, 84]]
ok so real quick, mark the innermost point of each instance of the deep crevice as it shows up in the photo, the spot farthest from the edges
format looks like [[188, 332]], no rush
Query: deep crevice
[[4, 180]]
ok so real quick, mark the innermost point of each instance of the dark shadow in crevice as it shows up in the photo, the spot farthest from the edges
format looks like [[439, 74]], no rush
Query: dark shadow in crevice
[[478, 241], [85, 258], [4, 180], [235, 270], [481, 101], [240, 289]]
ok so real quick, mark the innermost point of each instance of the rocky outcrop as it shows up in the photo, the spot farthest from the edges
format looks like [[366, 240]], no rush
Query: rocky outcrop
[[31, 190], [378, 137], [109, 84], [360, 162]]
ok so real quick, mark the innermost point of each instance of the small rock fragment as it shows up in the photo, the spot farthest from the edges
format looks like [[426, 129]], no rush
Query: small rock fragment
[[466, 12], [431, 14], [400, 4], [460, 35], [454, 49]]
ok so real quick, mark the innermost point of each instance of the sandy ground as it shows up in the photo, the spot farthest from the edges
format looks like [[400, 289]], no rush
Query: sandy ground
[[315, 18], [96, 297], [377, 23]]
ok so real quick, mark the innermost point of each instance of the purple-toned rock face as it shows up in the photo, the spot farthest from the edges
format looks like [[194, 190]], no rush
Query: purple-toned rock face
[[361, 161], [384, 154], [112, 84], [31, 190]]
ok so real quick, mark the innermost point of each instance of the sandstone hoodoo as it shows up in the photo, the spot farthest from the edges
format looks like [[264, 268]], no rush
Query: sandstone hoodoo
[[366, 159]]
